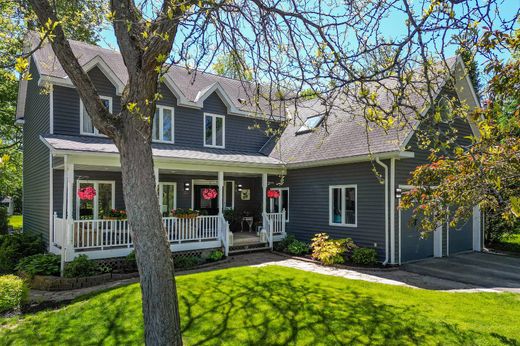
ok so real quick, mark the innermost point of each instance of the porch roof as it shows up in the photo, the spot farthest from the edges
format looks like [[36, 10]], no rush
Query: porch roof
[[88, 144]]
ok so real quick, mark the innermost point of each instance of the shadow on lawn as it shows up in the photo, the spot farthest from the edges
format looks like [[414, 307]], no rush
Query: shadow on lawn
[[246, 306]]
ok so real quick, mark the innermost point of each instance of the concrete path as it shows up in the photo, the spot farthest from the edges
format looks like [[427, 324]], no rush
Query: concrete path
[[480, 270]]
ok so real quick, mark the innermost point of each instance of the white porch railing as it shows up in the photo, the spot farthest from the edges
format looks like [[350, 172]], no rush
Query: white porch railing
[[192, 229], [274, 224]]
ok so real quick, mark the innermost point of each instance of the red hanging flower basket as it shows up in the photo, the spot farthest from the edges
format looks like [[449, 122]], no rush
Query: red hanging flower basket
[[87, 193], [209, 193], [273, 193]]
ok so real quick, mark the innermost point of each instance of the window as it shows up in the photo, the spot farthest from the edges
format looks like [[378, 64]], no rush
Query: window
[[214, 131], [343, 205], [277, 205], [311, 123], [86, 126], [163, 125], [168, 197], [102, 202], [229, 194]]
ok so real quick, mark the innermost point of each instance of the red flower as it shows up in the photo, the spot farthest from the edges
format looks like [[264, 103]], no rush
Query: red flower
[[209, 193], [273, 193], [87, 193]]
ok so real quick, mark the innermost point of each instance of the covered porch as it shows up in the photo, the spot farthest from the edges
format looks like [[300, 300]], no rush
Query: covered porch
[[240, 214]]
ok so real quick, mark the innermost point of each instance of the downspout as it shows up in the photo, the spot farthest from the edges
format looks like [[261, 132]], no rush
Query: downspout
[[392, 211], [386, 208]]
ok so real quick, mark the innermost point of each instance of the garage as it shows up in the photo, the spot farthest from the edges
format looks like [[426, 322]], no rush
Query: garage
[[413, 247], [460, 238]]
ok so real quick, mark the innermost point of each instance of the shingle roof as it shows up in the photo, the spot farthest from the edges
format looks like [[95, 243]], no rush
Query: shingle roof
[[91, 144]]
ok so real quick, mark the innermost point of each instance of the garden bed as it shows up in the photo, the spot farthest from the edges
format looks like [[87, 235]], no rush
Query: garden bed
[[56, 283]]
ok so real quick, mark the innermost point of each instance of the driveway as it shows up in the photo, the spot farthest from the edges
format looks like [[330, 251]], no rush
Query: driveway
[[497, 272]]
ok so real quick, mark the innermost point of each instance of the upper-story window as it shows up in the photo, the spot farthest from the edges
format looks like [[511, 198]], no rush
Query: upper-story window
[[163, 125], [214, 131], [86, 126]]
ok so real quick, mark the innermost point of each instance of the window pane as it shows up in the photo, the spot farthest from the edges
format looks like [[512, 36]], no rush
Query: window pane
[[219, 133], [104, 198], [350, 205], [208, 128], [106, 103], [336, 205], [86, 208], [155, 128], [168, 198], [87, 122], [228, 203], [167, 125], [285, 202]]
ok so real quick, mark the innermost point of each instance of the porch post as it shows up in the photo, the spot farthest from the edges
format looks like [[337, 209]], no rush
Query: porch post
[[264, 193], [67, 243], [220, 192]]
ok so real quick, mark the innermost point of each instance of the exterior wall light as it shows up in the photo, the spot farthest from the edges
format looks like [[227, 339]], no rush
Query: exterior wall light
[[186, 186]]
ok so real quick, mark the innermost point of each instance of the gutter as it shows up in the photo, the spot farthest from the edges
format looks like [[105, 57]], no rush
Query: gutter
[[386, 208], [392, 210]]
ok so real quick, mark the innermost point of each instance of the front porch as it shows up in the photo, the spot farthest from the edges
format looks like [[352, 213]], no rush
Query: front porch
[[240, 215]]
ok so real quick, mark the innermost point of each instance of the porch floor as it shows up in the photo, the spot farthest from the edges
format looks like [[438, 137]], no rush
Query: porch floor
[[245, 238]]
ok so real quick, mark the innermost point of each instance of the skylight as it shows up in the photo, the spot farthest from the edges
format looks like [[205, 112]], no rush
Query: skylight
[[311, 123]]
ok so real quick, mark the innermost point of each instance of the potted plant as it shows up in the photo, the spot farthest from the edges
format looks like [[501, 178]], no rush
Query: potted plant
[[115, 214], [185, 213]]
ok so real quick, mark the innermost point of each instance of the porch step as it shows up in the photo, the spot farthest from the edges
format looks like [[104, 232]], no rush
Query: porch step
[[248, 248]]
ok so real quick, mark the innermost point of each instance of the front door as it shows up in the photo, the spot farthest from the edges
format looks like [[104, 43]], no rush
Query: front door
[[210, 206]]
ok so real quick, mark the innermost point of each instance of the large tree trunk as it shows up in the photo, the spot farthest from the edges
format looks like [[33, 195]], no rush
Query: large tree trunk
[[154, 258]]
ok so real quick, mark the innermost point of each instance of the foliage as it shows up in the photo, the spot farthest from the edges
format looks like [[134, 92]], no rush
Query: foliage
[[81, 266], [16, 246], [230, 215], [233, 65], [298, 248], [363, 255], [40, 264], [215, 255], [4, 220], [188, 212], [275, 306], [116, 213], [16, 222], [283, 244], [330, 251], [13, 292], [185, 262]]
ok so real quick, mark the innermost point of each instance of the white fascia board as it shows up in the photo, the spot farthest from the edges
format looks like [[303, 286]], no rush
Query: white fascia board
[[353, 159]]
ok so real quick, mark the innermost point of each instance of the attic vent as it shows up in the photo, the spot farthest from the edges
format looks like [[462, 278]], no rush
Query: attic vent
[[311, 123]]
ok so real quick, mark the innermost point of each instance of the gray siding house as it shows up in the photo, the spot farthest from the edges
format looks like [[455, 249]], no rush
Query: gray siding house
[[207, 138]]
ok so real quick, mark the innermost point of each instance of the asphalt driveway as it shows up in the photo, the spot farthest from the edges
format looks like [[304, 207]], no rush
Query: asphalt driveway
[[498, 272]]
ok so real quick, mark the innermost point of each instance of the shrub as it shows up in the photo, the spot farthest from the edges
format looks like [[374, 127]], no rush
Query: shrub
[[298, 248], [330, 251], [13, 292], [4, 220], [40, 264], [81, 266], [215, 255], [283, 244], [14, 247], [184, 262], [363, 255]]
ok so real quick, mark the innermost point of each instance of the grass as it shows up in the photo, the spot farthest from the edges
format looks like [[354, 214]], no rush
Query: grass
[[16, 221], [511, 243], [278, 306]]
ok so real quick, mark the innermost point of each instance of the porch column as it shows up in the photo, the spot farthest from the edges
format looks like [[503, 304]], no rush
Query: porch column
[[156, 173], [67, 246], [220, 192], [264, 193]]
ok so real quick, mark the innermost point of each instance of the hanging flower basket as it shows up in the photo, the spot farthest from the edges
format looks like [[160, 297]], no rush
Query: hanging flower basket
[[209, 193], [273, 193], [87, 193], [185, 213]]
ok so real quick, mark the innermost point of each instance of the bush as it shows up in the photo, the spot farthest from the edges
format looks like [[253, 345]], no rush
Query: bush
[[298, 248], [81, 266], [215, 255], [184, 262], [330, 251], [14, 247], [4, 220], [283, 244], [13, 292], [366, 256], [41, 264]]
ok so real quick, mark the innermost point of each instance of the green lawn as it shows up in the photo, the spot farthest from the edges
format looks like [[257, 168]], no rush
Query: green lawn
[[511, 243], [278, 306], [16, 221]]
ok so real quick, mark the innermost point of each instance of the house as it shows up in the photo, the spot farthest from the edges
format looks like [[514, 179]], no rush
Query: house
[[207, 139], [8, 204]]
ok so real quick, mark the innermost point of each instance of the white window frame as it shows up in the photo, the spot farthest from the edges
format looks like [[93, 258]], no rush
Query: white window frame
[[331, 211], [271, 201], [96, 197], [225, 196], [161, 123], [81, 112], [161, 189], [214, 132]]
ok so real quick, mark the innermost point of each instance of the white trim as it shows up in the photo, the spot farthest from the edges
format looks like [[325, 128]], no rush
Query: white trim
[[96, 198], [280, 209], [352, 159], [82, 110], [437, 242], [477, 232], [161, 109], [51, 201], [19, 121], [51, 111], [232, 194], [343, 216], [161, 190], [385, 167], [213, 131], [392, 210], [447, 238]]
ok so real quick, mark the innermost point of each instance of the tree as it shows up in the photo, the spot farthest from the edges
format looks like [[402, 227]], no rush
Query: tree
[[328, 45], [233, 65]]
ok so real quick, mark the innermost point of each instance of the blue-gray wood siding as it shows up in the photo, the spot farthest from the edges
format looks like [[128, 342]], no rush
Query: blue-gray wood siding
[[309, 203], [241, 133], [36, 184]]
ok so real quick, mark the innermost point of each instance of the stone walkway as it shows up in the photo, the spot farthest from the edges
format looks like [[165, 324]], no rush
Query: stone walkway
[[392, 277]]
